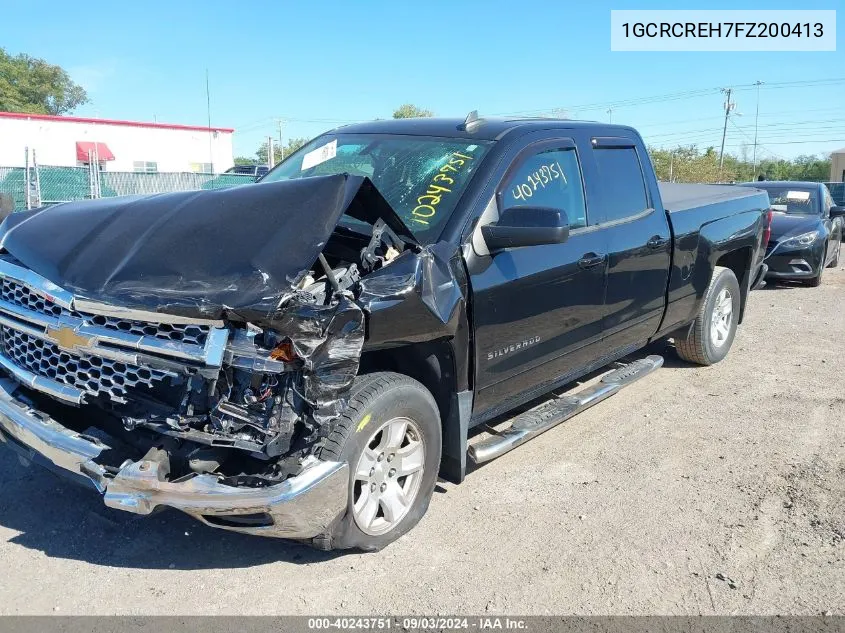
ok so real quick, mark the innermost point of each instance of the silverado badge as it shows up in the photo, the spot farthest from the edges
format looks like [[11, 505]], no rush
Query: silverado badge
[[513, 347]]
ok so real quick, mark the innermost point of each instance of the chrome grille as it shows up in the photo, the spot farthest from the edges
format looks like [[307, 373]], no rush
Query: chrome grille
[[94, 375], [195, 334], [20, 295]]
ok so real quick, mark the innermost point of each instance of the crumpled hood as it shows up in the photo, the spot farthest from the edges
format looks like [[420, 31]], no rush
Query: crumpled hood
[[196, 253], [785, 226]]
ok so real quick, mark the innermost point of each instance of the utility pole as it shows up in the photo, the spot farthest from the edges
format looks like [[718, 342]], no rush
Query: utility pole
[[610, 115], [270, 152], [27, 192], [210, 135], [756, 116], [729, 105], [281, 142]]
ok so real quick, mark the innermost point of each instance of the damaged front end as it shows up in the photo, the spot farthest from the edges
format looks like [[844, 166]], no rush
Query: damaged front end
[[220, 419], [202, 380]]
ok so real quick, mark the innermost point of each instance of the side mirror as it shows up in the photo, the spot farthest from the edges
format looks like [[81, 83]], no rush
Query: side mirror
[[526, 226], [837, 212]]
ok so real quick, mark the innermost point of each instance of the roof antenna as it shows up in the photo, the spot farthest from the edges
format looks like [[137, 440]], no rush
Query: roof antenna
[[472, 120]]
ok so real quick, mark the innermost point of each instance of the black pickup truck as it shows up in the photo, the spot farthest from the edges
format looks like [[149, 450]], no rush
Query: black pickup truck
[[301, 357]]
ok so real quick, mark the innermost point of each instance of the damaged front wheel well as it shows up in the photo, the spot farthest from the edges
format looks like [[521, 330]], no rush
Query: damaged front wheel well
[[431, 364]]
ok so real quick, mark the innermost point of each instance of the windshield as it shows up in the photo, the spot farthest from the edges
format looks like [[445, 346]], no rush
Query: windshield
[[793, 200], [421, 177]]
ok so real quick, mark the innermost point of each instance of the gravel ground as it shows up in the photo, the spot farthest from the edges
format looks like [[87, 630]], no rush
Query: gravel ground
[[696, 490]]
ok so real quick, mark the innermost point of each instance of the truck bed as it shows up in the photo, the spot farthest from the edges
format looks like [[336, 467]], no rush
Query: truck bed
[[682, 196]]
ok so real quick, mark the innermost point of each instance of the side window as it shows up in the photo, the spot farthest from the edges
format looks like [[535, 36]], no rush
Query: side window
[[548, 179], [622, 182]]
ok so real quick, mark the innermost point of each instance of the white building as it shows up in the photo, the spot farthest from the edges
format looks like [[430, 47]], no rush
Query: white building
[[70, 141], [837, 165]]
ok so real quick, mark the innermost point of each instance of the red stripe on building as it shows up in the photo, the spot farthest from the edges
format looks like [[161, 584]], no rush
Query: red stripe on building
[[79, 119]]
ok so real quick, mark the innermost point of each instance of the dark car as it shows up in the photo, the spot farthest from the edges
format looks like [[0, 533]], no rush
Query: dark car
[[237, 175], [302, 357], [807, 230], [256, 171]]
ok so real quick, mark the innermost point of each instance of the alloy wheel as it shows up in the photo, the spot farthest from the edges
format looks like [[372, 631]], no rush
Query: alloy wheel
[[720, 322], [388, 476]]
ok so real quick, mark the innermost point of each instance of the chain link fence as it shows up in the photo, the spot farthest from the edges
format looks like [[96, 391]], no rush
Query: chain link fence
[[51, 185]]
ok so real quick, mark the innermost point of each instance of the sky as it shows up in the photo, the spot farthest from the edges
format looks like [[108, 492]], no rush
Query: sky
[[317, 65]]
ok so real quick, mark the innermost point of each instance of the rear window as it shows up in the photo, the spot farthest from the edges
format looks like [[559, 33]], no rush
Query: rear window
[[623, 185], [793, 200]]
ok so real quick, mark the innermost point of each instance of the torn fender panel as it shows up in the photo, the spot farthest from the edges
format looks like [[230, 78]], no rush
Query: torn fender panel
[[329, 340], [195, 253], [417, 298]]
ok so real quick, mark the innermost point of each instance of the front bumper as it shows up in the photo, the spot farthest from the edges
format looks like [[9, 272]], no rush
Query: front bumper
[[298, 508], [795, 263]]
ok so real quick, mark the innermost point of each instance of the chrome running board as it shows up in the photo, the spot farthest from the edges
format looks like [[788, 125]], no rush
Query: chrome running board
[[540, 419]]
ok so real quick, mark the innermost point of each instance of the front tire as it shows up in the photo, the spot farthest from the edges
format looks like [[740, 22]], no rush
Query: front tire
[[391, 438], [713, 331], [815, 282], [835, 261]]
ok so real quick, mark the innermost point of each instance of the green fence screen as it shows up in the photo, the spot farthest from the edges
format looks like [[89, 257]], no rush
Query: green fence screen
[[49, 185]]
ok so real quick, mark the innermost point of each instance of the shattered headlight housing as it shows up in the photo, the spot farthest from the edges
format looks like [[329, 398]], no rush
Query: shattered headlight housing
[[805, 239]]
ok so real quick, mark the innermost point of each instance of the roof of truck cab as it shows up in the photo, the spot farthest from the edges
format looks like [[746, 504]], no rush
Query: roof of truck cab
[[484, 128]]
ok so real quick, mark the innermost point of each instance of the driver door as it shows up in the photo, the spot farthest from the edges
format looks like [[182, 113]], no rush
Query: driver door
[[537, 310]]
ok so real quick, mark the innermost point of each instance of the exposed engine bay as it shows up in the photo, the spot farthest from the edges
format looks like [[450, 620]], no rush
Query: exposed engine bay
[[280, 385]]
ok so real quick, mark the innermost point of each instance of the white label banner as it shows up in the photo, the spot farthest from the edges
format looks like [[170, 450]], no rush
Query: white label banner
[[723, 30], [319, 155]]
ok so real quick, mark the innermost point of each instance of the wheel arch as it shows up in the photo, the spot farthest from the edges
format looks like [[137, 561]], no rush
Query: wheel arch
[[739, 261], [434, 364]]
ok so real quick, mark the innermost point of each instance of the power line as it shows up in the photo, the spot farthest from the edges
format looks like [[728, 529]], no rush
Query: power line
[[771, 134], [808, 126], [686, 94], [663, 124], [756, 144], [827, 140], [261, 123]]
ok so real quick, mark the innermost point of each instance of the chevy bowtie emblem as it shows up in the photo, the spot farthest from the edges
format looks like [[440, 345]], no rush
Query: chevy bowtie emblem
[[68, 338]]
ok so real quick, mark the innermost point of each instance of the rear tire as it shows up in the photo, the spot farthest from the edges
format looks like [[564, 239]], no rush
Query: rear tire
[[712, 333], [391, 427]]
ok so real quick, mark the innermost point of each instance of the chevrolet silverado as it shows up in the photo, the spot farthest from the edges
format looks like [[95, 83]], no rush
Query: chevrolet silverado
[[302, 357]]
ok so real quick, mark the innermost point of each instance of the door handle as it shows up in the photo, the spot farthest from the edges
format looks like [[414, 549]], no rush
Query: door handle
[[656, 242], [590, 260]]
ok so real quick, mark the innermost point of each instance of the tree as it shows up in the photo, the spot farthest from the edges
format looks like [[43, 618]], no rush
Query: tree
[[812, 168], [261, 153], [689, 164], [31, 85], [409, 111]]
